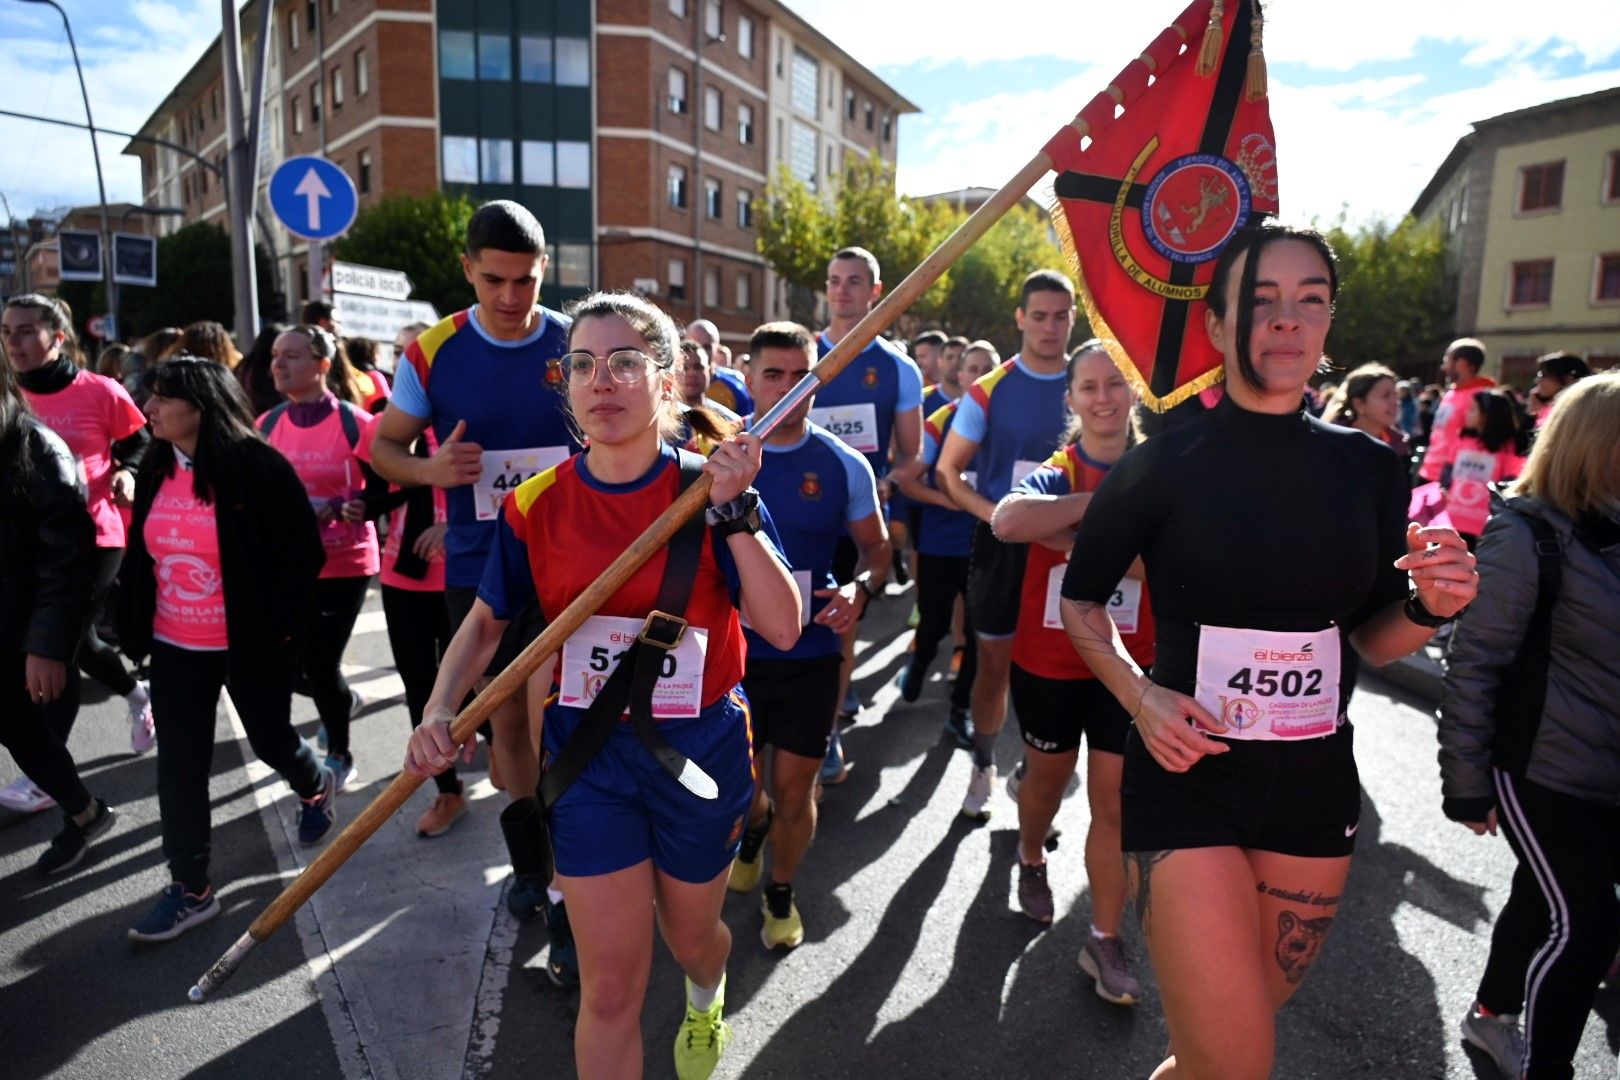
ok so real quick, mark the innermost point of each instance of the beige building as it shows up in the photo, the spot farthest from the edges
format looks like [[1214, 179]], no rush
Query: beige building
[[1531, 202]]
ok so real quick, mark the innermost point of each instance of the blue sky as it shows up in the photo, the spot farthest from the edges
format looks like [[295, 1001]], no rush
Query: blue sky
[[1367, 97]]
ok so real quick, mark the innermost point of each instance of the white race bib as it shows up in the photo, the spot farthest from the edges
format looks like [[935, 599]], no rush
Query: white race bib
[[801, 579], [1125, 605], [1268, 685], [1468, 502], [855, 424], [1022, 469], [595, 649], [971, 479], [505, 470]]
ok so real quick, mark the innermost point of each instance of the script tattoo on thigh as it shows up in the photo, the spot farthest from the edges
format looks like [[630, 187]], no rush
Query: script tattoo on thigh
[[1299, 942], [1139, 873]]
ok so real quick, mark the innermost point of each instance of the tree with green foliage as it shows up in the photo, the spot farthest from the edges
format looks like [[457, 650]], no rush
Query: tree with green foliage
[[422, 235], [1395, 303]]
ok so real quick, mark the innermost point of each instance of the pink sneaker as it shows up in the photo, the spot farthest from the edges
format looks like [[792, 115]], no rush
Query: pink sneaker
[[142, 731], [24, 797]]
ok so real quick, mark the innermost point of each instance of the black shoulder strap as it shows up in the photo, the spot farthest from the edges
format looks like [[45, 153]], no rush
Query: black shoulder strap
[[1523, 694], [271, 419], [347, 415], [631, 682]]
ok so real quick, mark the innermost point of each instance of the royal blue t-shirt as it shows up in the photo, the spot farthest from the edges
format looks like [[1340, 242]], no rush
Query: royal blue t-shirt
[[1017, 417], [944, 532], [510, 396], [859, 406], [730, 389], [814, 488]]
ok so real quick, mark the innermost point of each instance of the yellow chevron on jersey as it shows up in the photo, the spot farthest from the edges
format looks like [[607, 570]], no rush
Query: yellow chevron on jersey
[[436, 335], [534, 487]]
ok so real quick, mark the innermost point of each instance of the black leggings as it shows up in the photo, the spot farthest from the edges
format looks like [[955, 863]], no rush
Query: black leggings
[[1558, 931], [97, 659], [418, 633], [337, 604], [29, 731], [940, 580], [185, 701]]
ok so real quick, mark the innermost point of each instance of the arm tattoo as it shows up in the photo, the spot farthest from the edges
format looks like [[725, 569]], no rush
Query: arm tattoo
[[1299, 942], [1141, 881]]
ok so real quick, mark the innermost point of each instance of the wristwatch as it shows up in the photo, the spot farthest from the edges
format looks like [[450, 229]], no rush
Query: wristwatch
[[740, 515], [873, 592], [1422, 616]]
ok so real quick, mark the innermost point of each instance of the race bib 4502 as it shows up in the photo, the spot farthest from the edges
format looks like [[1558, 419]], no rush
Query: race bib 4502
[[1269, 685]]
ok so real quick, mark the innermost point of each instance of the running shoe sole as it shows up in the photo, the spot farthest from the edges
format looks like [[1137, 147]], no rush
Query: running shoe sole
[[1089, 966]]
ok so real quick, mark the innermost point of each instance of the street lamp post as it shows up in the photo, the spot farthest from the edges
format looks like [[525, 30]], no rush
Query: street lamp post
[[101, 183]]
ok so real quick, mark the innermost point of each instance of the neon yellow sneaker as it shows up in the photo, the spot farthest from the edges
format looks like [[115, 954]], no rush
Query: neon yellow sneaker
[[702, 1038], [746, 867], [783, 929]]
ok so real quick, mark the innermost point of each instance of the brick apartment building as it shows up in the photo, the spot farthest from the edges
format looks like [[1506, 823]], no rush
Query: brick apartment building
[[638, 132]]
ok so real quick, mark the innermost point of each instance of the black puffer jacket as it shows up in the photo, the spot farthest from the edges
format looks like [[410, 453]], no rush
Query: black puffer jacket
[[47, 542]]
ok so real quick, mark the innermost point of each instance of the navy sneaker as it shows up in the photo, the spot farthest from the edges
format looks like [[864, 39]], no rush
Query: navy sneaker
[[317, 815], [959, 726], [342, 766], [562, 962], [527, 897], [910, 681], [68, 848], [177, 911]]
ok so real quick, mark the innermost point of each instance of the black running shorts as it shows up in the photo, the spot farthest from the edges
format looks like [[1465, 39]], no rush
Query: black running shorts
[[1053, 714], [522, 629], [995, 580], [794, 703]]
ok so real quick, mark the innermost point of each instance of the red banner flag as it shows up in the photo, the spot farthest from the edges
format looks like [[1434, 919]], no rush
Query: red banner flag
[[1148, 198]]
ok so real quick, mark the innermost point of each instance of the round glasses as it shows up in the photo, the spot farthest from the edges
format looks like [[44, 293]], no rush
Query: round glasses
[[626, 366]]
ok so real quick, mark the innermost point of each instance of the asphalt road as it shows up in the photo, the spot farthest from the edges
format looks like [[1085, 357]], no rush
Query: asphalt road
[[916, 964]]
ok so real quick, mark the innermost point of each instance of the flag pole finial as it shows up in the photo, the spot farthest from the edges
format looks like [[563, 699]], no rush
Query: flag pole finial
[[1254, 80], [1209, 54]]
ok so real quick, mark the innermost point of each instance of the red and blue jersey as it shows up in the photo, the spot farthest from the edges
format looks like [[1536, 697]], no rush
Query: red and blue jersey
[[1017, 417], [559, 530], [814, 488], [881, 381], [1046, 650], [944, 532], [510, 395]]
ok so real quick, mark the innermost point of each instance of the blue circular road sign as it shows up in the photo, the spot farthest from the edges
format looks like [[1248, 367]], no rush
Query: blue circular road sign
[[313, 197]]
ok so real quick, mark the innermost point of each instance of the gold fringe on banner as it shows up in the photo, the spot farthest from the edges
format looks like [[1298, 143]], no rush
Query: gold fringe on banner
[[1209, 55], [1254, 81]]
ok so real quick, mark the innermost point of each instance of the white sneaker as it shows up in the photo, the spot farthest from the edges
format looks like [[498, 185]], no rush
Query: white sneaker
[[142, 731], [1015, 779], [981, 782], [24, 797]]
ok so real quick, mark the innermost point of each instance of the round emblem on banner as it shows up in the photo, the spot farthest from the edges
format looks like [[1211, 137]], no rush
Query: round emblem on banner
[[1194, 206]]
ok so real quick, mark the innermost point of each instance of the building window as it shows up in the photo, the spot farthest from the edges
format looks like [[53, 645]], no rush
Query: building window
[[297, 117], [806, 82], [849, 104], [677, 187], [677, 279], [677, 8], [871, 117], [677, 91], [292, 32], [573, 62], [364, 181], [802, 155], [745, 124], [574, 266], [888, 127], [1611, 177], [337, 89], [745, 291], [1607, 286], [311, 14], [460, 159], [1541, 187], [745, 37], [334, 7], [745, 210], [1531, 284], [362, 73], [830, 169], [711, 286], [534, 59], [539, 160], [711, 198], [713, 22], [494, 57], [457, 57], [711, 108], [574, 165], [315, 103], [495, 161]]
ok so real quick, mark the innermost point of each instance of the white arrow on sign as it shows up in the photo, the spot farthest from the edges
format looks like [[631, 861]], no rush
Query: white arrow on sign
[[313, 189]]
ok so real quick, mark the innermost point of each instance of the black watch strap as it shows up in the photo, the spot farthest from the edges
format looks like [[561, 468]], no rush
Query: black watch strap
[[1417, 613]]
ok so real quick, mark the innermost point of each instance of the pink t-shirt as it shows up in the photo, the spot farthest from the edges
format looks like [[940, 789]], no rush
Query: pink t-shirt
[[433, 580], [1473, 470], [1448, 425], [90, 414], [183, 538], [330, 470]]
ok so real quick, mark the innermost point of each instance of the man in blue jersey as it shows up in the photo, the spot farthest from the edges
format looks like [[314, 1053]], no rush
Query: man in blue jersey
[[818, 490], [875, 406], [726, 386], [926, 348], [1012, 419], [485, 382]]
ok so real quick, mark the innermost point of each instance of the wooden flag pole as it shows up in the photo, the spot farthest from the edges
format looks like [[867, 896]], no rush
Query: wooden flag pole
[[657, 536]]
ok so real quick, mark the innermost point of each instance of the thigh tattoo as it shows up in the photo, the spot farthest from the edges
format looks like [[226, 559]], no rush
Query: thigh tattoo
[[1139, 873], [1299, 942]]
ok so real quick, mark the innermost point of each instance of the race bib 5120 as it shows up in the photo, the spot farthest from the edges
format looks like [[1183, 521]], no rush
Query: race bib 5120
[[595, 649]]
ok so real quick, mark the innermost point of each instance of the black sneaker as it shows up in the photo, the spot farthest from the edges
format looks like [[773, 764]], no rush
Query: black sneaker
[[562, 961], [67, 849], [910, 681], [959, 726]]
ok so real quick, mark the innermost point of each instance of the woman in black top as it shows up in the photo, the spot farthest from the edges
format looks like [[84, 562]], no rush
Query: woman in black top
[[1279, 551]]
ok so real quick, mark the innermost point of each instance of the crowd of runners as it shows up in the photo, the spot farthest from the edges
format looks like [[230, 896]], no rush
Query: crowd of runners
[[1187, 598]]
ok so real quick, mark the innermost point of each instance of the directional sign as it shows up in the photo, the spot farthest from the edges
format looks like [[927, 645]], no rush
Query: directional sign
[[370, 281], [372, 317], [313, 197]]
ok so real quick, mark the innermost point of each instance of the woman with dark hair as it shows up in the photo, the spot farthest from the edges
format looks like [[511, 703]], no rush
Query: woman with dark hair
[[107, 435], [630, 839], [371, 386], [1530, 734], [222, 563], [254, 370], [46, 545], [1489, 449], [1240, 796]]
